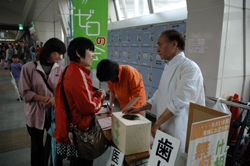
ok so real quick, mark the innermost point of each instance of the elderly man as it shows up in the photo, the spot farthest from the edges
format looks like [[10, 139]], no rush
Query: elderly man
[[181, 83]]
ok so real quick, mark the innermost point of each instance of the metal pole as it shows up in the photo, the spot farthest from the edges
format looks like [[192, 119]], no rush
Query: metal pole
[[238, 104], [70, 19]]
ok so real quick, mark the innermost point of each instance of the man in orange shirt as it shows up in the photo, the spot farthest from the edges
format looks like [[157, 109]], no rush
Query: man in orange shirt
[[124, 81]]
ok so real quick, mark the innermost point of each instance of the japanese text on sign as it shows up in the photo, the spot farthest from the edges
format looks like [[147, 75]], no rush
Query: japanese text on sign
[[165, 150], [90, 20], [115, 157]]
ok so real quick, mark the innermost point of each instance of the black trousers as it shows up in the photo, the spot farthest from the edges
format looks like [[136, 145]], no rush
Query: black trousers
[[75, 161], [39, 153]]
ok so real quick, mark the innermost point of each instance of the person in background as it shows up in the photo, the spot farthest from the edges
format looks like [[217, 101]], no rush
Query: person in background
[[15, 68], [82, 101], [9, 53], [33, 52], [23, 53], [37, 46], [181, 83], [38, 98], [2, 56], [39, 50], [17, 46], [124, 81]]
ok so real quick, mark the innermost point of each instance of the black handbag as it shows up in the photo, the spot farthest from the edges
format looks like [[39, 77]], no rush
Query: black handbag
[[90, 143]]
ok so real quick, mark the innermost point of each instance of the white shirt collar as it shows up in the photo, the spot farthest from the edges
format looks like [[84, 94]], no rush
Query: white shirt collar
[[175, 59]]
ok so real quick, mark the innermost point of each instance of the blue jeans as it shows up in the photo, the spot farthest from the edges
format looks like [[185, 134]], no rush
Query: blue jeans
[[33, 56]]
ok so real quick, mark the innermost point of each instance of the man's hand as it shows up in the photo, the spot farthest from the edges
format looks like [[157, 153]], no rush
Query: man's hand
[[50, 102], [154, 129], [131, 110]]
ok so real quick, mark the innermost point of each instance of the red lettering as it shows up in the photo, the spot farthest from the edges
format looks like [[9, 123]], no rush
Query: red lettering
[[99, 40]]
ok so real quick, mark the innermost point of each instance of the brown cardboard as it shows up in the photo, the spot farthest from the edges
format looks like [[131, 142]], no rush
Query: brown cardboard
[[199, 113]]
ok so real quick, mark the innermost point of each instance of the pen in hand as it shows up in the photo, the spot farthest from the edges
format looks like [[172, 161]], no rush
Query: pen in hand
[[110, 111]]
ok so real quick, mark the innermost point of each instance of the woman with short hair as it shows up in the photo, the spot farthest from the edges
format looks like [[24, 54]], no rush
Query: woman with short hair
[[82, 101]]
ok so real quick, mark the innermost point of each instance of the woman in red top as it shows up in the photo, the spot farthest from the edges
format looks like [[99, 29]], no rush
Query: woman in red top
[[83, 102]]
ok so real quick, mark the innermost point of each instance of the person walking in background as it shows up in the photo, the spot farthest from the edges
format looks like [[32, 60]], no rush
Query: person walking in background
[[9, 53], [37, 46], [82, 101], [15, 68], [39, 98], [23, 53], [33, 52], [2, 56], [39, 50]]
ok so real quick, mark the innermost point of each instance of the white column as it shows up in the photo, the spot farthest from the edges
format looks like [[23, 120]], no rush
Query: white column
[[220, 25]]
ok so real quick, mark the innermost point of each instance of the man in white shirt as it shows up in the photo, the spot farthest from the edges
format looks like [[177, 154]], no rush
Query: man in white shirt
[[181, 83]]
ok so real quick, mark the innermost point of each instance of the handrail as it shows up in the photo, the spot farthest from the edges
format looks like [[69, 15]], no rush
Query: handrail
[[235, 104]]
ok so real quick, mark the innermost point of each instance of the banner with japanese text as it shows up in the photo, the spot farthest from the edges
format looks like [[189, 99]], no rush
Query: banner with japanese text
[[208, 142], [90, 20]]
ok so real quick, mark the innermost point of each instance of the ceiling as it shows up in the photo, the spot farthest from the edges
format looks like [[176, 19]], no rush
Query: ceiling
[[15, 12]]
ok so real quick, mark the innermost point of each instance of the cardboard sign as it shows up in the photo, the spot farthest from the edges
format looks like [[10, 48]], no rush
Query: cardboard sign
[[165, 150], [115, 157], [207, 143]]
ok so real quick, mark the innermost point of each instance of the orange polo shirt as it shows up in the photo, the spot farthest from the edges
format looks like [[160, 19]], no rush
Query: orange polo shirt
[[130, 85]]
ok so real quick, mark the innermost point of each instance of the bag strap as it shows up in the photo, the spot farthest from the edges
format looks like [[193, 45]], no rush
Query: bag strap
[[41, 73], [66, 104]]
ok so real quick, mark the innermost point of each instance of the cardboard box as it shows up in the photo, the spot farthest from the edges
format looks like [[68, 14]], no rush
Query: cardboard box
[[207, 135], [130, 133]]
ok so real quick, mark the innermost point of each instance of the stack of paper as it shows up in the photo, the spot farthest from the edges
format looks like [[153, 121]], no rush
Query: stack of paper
[[105, 123], [103, 110]]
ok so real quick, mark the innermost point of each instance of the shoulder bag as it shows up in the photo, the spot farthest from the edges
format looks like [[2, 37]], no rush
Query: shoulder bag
[[48, 111], [90, 143]]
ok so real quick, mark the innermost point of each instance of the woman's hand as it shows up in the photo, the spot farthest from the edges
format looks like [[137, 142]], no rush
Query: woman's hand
[[41, 99], [102, 91], [50, 102]]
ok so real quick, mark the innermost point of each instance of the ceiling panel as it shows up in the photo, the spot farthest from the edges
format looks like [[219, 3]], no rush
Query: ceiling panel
[[12, 13]]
